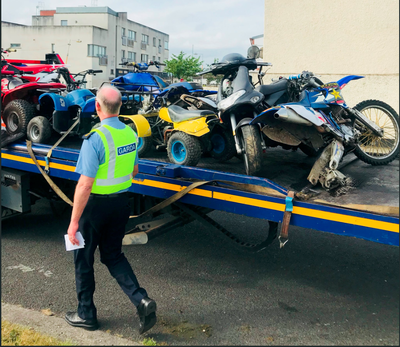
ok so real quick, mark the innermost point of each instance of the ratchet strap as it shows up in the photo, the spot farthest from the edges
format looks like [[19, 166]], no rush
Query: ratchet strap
[[172, 199], [57, 190], [47, 158], [284, 233]]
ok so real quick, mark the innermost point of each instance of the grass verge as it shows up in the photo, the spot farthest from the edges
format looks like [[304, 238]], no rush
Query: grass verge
[[18, 335]]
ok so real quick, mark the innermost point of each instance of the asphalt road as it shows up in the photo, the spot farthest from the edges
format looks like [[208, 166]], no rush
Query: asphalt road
[[320, 289]]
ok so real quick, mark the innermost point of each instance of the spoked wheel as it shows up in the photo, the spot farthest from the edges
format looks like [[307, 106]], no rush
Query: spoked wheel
[[184, 149], [250, 140], [371, 148], [145, 144]]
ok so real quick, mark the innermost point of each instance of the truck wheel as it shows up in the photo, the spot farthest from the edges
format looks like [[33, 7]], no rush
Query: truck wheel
[[17, 115], [39, 130], [372, 149], [145, 144], [250, 140], [184, 149], [223, 144]]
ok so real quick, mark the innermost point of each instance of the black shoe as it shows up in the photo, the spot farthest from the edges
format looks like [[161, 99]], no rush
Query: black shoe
[[147, 314], [73, 319]]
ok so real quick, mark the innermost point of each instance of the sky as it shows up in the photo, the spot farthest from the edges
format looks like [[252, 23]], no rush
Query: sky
[[205, 28]]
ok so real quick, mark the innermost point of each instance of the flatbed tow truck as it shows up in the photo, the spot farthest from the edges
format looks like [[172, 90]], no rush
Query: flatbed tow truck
[[166, 196]]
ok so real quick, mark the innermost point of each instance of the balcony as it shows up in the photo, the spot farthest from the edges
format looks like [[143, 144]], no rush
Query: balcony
[[143, 45], [124, 39], [103, 60], [130, 42]]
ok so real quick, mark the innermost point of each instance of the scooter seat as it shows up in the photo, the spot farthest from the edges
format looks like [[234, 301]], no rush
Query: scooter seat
[[273, 87], [179, 114]]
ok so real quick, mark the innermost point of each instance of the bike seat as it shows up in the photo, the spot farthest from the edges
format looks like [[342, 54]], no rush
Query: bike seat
[[179, 114], [273, 87]]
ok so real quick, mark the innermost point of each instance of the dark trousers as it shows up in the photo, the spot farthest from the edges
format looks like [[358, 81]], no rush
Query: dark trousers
[[103, 224]]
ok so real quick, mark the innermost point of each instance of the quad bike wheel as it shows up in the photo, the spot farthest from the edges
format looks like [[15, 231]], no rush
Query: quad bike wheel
[[371, 148], [17, 115], [145, 144], [39, 130], [184, 149], [250, 140], [223, 144]]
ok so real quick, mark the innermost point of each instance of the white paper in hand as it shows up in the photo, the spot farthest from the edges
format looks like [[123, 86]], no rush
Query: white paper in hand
[[69, 246]]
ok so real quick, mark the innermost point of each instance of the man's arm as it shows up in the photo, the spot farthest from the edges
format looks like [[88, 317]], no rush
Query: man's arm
[[81, 197], [135, 170]]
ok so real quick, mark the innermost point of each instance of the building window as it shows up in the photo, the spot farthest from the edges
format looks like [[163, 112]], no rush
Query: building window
[[123, 32], [132, 35], [112, 72], [154, 41], [131, 56], [64, 23], [159, 59], [144, 58], [96, 51], [123, 53], [154, 58], [165, 44], [15, 45], [145, 39]]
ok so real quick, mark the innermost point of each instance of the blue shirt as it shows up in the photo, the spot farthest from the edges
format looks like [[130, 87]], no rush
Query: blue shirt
[[93, 154]]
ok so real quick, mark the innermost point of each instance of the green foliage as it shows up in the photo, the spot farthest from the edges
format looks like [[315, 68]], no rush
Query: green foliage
[[149, 341], [183, 67]]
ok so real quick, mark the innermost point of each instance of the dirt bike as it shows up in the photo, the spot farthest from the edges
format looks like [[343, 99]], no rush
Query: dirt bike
[[319, 119]]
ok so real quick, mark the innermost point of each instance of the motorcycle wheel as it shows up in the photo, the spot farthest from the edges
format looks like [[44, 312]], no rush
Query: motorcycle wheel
[[223, 144], [39, 130], [184, 149], [17, 115], [145, 144], [373, 149], [250, 140]]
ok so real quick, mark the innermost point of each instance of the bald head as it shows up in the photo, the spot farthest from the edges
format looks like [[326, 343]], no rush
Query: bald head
[[109, 99]]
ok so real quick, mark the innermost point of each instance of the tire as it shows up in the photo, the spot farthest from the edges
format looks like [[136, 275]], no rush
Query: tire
[[17, 115], [145, 144], [39, 130], [184, 149], [250, 140], [375, 150], [223, 144]]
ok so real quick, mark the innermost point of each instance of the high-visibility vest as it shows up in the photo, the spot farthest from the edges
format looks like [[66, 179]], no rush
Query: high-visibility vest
[[120, 154]]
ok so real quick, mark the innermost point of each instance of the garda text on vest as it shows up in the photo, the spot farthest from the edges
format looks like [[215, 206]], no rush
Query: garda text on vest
[[126, 149]]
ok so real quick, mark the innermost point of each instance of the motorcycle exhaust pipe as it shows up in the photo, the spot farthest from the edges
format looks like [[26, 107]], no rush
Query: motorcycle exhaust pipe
[[289, 116]]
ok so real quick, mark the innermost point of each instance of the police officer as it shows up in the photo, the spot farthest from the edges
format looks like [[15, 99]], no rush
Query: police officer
[[107, 163]]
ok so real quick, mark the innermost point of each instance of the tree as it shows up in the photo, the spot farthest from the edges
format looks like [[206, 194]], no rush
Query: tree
[[183, 67], [210, 77]]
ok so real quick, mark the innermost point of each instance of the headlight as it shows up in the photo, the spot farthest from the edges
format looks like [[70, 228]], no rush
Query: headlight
[[229, 101]]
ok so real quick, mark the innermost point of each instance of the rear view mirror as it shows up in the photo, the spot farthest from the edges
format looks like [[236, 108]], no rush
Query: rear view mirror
[[253, 52]]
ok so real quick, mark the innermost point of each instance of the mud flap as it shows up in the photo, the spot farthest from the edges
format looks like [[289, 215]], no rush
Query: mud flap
[[284, 233]]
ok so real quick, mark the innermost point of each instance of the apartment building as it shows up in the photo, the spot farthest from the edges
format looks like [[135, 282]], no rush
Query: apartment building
[[87, 38]]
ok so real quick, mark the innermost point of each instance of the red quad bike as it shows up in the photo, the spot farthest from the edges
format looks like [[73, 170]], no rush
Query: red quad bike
[[20, 93]]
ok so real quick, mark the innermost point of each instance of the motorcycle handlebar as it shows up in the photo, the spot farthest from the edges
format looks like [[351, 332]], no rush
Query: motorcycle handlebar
[[97, 71]]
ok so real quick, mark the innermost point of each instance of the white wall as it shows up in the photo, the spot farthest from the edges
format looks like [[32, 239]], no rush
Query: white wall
[[334, 39]]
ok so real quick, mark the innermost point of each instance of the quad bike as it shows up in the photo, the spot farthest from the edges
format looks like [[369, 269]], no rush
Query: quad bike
[[63, 109], [186, 126], [20, 96]]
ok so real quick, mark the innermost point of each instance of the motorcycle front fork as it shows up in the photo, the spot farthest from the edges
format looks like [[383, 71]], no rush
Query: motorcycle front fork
[[239, 148]]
